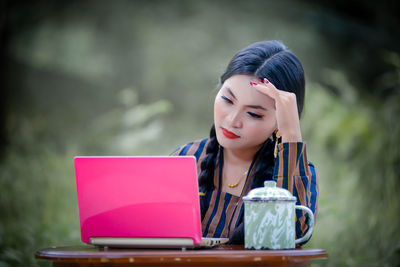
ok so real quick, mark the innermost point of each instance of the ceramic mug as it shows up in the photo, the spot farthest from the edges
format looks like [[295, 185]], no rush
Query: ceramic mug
[[270, 218]]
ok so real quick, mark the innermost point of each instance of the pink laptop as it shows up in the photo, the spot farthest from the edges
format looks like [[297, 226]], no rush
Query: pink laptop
[[139, 202]]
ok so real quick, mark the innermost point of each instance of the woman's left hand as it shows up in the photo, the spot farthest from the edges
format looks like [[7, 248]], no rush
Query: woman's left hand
[[287, 116]]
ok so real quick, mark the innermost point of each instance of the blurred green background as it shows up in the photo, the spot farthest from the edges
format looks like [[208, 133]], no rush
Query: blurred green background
[[139, 78]]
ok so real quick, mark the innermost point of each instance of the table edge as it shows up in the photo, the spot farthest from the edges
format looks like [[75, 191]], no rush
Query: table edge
[[174, 255]]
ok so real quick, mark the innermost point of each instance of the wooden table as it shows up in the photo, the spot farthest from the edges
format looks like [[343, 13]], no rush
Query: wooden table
[[224, 255]]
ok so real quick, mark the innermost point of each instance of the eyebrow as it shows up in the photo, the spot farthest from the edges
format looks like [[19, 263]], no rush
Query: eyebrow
[[250, 106], [256, 107], [230, 92]]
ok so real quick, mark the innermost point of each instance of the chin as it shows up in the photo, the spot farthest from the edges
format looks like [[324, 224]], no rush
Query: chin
[[228, 143], [222, 140]]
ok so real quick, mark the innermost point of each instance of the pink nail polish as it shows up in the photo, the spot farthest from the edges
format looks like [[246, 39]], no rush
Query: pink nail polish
[[266, 80], [253, 83], [261, 80]]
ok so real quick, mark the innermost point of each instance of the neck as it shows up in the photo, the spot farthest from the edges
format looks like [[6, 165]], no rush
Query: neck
[[239, 156]]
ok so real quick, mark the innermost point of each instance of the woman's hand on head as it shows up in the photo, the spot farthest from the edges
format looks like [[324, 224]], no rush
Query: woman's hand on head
[[287, 116]]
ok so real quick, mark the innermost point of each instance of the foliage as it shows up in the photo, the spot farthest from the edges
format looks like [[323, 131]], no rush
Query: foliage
[[137, 78], [357, 165]]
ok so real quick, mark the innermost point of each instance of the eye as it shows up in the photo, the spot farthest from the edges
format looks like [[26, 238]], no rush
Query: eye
[[227, 99], [254, 115]]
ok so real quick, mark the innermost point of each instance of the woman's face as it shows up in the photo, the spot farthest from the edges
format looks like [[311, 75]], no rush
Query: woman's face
[[244, 118]]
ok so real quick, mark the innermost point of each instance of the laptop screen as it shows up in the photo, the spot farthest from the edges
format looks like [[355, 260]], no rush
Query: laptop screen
[[146, 197]]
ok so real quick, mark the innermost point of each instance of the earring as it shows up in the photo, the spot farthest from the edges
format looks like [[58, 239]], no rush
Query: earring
[[277, 136]]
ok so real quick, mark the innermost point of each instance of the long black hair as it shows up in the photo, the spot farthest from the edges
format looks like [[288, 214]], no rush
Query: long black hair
[[267, 59]]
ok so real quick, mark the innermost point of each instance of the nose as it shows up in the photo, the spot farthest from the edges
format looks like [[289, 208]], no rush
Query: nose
[[235, 120]]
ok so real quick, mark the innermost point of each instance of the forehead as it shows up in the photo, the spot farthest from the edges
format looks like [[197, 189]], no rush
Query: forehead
[[240, 80], [240, 86]]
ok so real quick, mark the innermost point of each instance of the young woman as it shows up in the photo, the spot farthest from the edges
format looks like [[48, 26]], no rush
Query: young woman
[[255, 137]]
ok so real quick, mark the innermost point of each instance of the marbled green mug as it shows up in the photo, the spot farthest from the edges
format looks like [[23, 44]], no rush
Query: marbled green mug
[[269, 218]]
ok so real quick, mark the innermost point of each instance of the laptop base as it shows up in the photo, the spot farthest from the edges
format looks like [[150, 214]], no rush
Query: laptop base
[[130, 242]]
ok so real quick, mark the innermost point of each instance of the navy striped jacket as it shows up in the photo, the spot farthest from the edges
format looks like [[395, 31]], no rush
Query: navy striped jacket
[[222, 213]]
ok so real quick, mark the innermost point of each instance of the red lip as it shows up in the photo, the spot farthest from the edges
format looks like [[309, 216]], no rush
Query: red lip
[[229, 134]]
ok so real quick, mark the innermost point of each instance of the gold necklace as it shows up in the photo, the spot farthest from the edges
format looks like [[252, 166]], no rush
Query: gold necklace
[[236, 184]]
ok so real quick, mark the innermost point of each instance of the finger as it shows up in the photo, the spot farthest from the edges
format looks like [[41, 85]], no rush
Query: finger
[[272, 86], [264, 89]]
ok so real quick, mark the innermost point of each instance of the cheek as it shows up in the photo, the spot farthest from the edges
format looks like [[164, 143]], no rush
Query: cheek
[[261, 130], [218, 110], [256, 131]]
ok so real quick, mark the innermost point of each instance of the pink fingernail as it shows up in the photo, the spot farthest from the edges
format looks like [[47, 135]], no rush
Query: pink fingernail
[[261, 80], [266, 80], [253, 83]]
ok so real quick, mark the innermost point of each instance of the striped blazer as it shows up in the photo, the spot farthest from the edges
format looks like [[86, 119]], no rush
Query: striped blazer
[[222, 213]]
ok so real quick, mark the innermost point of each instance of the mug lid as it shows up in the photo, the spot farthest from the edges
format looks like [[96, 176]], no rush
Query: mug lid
[[269, 193]]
